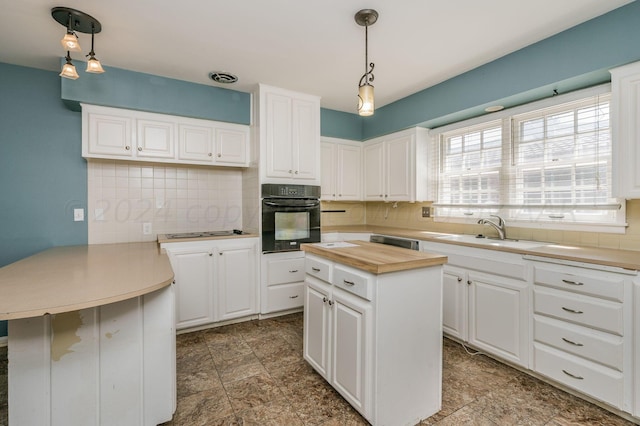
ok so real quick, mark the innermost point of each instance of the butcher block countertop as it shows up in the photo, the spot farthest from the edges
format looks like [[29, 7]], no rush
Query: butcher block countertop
[[625, 259], [373, 257], [63, 279]]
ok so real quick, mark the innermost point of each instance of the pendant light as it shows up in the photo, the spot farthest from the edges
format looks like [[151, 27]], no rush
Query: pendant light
[[76, 21], [68, 69], [93, 65], [366, 105]]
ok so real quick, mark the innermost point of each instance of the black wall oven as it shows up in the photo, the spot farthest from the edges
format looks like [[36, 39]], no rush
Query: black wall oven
[[290, 216]]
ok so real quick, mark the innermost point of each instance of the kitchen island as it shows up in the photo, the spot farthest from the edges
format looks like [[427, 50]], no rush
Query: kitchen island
[[373, 327], [91, 336]]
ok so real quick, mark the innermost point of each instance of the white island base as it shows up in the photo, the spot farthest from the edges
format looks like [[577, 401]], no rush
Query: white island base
[[107, 365], [376, 338]]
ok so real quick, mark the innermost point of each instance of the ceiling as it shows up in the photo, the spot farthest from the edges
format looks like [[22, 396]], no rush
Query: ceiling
[[311, 47]]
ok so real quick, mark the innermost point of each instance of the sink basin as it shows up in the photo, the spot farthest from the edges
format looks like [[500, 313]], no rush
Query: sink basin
[[484, 241]]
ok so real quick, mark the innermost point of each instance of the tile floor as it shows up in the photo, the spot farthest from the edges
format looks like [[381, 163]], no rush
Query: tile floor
[[253, 373]]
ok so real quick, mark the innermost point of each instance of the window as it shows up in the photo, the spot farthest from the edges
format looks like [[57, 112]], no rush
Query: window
[[546, 166]]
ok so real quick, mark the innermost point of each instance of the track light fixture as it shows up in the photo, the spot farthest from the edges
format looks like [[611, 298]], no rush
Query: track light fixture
[[76, 21], [366, 106]]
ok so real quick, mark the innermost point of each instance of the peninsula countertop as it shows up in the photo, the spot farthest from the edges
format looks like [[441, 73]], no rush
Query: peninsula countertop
[[373, 257], [63, 279]]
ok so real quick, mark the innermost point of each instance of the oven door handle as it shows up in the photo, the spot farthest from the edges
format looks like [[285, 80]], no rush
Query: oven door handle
[[272, 204]]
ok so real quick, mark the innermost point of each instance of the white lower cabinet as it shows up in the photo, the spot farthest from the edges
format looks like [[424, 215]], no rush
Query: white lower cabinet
[[282, 282], [582, 329], [376, 338], [486, 300], [216, 280], [636, 347]]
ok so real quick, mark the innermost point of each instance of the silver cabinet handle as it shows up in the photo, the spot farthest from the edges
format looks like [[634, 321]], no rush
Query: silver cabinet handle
[[571, 342], [572, 282], [139, 148], [572, 375], [324, 300], [314, 269], [331, 302], [348, 282], [127, 148], [219, 155], [469, 282], [573, 311], [210, 154], [210, 254], [294, 271], [459, 279], [293, 297], [290, 171]]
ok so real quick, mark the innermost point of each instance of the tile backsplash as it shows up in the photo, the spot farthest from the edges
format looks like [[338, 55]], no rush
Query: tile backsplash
[[409, 215], [126, 197]]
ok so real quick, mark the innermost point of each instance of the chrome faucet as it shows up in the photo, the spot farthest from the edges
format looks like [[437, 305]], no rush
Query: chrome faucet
[[499, 226]]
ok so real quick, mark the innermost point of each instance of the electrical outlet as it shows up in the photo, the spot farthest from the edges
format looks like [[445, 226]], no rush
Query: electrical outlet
[[426, 212], [146, 228], [78, 215]]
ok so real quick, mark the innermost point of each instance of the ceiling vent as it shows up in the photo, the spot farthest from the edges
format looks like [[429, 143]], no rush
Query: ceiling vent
[[223, 77]]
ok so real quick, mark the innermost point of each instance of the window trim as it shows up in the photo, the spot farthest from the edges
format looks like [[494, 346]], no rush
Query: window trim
[[436, 138]]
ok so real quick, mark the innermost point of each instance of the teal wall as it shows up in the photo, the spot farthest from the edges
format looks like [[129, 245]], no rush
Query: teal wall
[[338, 124], [42, 175], [128, 89], [576, 58]]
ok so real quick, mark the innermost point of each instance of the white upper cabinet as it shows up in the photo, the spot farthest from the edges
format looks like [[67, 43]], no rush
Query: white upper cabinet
[[625, 113], [155, 139], [289, 136], [341, 170], [115, 133], [107, 135], [395, 167]]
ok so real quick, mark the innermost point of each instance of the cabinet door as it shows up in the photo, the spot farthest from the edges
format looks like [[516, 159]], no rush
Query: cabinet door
[[194, 287], [373, 156], [232, 146], [328, 168], [348, 173], [625, 109], [349, 348], [306, 138], [454, 303], [316, 326], [279, 143], [399, 171], [195, 143], [110, 135], [155, 139], [499, 315], [237, 283]]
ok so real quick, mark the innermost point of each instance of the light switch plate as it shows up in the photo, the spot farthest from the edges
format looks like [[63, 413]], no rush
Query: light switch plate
[[78, 215], [426, 212], [146, 228]]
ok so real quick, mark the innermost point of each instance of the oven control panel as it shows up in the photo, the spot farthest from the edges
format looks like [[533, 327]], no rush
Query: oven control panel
[[290, 191]]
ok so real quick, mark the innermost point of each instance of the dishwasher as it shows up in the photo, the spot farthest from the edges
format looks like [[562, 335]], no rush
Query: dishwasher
[[396, 241]]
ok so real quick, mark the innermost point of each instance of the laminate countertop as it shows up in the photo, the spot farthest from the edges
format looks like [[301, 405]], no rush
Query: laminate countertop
[[63, 279], [373, 257], [625, 259]]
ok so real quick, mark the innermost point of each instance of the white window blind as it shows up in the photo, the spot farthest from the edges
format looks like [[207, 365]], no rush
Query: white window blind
[[549, 165]]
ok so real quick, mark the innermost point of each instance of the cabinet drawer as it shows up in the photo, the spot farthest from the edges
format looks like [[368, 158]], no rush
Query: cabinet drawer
[[285, 296], [286, 271], [353, 282], [590, 344], [483, 264], [597, 283], [596, 313], [597, 381], [318, 268]]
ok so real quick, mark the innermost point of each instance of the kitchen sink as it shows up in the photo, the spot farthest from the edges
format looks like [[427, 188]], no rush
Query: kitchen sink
[[485, 241]]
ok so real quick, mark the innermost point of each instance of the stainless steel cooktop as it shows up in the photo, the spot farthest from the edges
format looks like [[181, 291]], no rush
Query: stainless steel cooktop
[[203, 234]]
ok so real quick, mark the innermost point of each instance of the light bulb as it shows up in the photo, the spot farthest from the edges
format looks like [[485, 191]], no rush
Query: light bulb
[[365, 100], [94, 65]]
